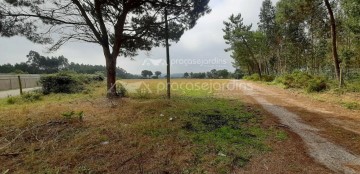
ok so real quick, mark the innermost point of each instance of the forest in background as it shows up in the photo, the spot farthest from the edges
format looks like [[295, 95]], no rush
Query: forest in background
[[299, 35], [38, 64]]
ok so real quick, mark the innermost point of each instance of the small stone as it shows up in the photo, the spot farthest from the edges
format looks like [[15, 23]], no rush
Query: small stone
[[105, 143], [171, 119], [221, 154], [161, 115]]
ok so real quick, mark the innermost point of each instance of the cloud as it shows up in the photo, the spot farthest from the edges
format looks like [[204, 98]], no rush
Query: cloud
[[204, 41]]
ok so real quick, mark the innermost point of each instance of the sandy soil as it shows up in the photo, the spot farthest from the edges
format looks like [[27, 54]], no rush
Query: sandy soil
[[329, 133]]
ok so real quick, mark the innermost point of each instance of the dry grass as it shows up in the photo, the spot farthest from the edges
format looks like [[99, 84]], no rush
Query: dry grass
[[130, 135]]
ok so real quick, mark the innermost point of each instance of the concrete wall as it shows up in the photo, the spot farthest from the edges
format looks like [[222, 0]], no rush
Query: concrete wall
[[9, 82]]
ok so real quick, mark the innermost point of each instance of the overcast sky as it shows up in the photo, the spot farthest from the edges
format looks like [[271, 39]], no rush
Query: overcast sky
[[200, 49]]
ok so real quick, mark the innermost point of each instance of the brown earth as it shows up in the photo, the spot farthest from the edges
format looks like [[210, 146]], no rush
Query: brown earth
[[321, 133]]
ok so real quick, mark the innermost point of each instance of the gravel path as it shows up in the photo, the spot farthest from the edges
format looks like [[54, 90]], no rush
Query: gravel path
[[327, 153], [15, 92]]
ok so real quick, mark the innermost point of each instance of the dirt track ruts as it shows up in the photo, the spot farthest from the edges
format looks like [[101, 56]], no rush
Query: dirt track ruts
[[333, 156]]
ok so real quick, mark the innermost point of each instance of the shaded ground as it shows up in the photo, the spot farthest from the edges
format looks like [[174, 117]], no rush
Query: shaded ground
[[330, 132]]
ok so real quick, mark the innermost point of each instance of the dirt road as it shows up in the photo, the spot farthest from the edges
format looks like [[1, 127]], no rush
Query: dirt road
[[15, 92], [330, 133]]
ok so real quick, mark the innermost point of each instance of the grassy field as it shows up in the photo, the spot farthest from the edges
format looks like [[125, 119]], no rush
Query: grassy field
[[194, 132]]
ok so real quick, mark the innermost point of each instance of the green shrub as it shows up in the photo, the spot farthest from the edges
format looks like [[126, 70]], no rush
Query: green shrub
[[279, 80], [351, 105], [31, 96], [353, 86], [11, 100], [121, 90], [86, 79], [25, 98], [98, 77], [254, 77], [62, 83], [267, 78], [296, 80], [90, 78], [303, 80], [317, 84]]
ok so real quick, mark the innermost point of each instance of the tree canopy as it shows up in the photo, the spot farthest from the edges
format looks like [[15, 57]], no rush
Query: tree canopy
[[146, 73], [316, 36], [121, 27]]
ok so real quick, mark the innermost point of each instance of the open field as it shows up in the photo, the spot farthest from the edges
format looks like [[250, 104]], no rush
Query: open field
[[209, 126], [87, 133]]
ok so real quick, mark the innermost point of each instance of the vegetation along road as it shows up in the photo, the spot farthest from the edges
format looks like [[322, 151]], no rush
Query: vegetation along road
[[331, 133], [15, 92]]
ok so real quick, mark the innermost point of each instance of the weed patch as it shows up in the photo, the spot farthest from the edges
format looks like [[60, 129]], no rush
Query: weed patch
[[351, 105], [228, 134], [73, 115]]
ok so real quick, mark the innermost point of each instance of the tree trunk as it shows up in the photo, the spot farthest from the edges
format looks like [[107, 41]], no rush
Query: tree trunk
[[258, 66], [334, 42], [111, 76], [168, 77]]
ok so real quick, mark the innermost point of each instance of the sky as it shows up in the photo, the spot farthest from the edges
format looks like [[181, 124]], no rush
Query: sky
[[200, 49]]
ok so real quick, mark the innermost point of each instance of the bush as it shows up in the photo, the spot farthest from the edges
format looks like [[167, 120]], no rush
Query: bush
[[98, 77], [303, 80], [254, 77], [90, 78], [267, 78], [11, 100], [296, 80], [121, 90], [68, 82], [353, 85], [31, 96], [61, 83], [25, 98], [317, 84]]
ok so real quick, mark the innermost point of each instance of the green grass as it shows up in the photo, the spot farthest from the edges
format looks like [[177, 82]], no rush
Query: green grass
[[281, 135], [155, 88], [222, 131], [36, 98], [351, 105], [194, 132]]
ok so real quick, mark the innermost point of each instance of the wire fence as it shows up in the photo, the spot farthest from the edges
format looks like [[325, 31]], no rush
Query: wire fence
[[9, 82]]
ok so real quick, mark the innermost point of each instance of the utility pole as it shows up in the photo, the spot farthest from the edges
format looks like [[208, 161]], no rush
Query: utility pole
[[167, 53]]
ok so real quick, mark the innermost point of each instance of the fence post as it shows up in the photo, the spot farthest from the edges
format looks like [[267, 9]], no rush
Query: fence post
[[21, 91]]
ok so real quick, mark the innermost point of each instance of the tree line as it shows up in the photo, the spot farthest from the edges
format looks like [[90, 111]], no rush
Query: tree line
[[320, 37], [147, 74], [39, 64], [213, 74]]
